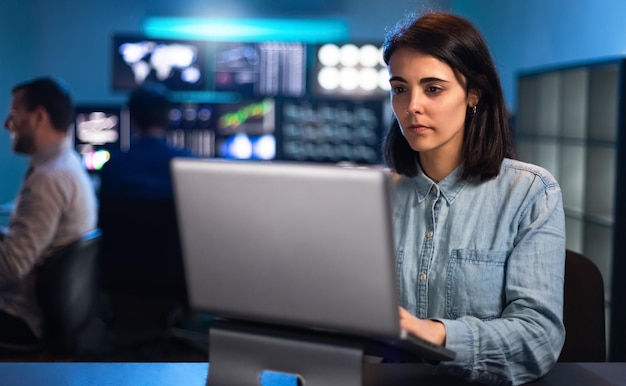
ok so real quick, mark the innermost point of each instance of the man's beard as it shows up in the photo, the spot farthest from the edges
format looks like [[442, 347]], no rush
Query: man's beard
[[24, 144]]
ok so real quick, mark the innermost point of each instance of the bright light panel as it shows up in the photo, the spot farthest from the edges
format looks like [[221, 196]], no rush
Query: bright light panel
[[249, 30], [349, 67]]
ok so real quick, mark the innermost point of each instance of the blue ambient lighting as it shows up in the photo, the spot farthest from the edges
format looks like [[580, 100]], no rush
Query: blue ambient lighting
[[204, 96], [248, 30]]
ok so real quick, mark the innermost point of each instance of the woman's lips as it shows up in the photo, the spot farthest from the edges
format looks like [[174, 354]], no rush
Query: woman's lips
[[418, 129]]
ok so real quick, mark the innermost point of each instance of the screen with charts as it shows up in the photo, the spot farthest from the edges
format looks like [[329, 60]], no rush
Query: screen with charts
[[98, 130], [332, 130], [261, 69], [246, 130], [181, 65]]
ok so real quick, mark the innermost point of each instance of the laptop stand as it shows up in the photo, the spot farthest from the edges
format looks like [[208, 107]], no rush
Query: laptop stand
[[238, 356]]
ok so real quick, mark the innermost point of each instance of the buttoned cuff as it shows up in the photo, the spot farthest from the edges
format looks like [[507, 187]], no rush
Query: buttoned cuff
[[460, 339]]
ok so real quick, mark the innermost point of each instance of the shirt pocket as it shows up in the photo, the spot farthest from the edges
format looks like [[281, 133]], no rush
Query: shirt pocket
[[475, 283]]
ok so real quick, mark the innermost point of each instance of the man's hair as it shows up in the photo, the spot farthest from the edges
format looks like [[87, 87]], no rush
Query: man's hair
[[53, 96], [456, 42], [149, 107]]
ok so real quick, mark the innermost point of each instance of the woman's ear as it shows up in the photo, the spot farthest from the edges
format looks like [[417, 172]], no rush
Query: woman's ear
[[473, 96]]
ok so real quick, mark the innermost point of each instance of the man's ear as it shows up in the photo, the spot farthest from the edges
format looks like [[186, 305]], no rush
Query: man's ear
[[41, 115]]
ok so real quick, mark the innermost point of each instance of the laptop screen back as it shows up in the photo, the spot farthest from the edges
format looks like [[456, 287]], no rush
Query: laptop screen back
[[299, 245]]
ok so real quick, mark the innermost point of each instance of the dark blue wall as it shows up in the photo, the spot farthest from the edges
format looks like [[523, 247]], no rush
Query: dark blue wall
[[16, 62], [530, 34]]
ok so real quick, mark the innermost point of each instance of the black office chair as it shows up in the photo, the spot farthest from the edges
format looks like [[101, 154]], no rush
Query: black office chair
[[67, 290], [583, 311], [140, 250], [142, 274]]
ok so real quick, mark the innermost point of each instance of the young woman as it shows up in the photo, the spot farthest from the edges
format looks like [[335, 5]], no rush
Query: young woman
[[480, 237]]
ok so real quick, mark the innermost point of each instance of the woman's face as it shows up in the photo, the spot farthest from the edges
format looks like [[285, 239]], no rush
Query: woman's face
[[429, 102]]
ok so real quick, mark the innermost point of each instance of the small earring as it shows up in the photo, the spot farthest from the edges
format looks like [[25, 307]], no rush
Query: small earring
[[473, 110]]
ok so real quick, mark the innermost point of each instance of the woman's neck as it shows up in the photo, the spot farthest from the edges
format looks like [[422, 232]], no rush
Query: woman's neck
[[439, 165]]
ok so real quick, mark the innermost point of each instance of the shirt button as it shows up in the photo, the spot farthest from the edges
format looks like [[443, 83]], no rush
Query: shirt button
[[422, 277], [429, 234]]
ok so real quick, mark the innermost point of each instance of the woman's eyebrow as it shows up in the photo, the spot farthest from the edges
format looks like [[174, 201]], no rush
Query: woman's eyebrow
[[422, 81], [432, 79], [398, 78]]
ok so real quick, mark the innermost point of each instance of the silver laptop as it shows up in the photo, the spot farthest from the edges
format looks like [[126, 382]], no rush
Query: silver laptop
[[297, 245]]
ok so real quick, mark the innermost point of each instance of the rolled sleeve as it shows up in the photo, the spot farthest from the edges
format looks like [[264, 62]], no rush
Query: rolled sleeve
[[32, 226]]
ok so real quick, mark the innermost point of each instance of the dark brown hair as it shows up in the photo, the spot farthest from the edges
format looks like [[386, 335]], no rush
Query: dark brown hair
[[149, 107], [53, 96], [456, 42]]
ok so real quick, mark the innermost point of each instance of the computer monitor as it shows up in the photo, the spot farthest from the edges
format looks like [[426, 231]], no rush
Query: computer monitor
[[260, 69], [192, 127], [181, 65], [99, 130], [332, 130], [350, 69], [246, 130]]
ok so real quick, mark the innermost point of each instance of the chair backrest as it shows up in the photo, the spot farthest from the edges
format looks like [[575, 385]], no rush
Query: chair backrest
[[140, 250], [67, 285], [583, 311]]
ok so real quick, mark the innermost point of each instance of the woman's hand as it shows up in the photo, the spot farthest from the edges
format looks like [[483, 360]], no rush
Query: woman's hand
[[431, 330]]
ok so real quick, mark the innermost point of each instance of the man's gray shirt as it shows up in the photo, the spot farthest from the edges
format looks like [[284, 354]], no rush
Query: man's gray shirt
[[55, 206]]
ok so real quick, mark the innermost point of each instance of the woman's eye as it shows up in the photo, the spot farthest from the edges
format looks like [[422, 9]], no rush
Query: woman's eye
[[433, 89], [397, 89]]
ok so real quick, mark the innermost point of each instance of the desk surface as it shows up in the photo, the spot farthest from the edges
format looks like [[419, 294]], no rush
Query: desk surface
[[190, 374]]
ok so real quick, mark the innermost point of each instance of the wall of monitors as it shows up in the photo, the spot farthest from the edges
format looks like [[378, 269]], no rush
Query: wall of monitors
[[251, 69], [265, 100]]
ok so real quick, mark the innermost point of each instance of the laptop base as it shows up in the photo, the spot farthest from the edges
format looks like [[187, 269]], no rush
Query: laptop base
[[238, 356]]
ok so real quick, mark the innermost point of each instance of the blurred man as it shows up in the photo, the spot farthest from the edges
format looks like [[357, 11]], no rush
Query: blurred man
[[140, 250], [144, 170], [55, 206]]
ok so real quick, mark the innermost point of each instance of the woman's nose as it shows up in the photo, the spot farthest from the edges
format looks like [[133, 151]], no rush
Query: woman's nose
[[415, 103]]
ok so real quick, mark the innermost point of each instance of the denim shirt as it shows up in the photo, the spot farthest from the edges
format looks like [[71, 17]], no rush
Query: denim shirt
[[487, 259]]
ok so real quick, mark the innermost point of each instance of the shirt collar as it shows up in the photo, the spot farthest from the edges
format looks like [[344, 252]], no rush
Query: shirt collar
[[449, 186], [42, 156]]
